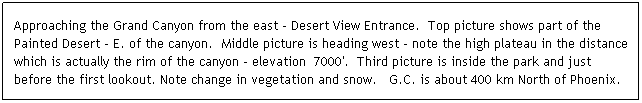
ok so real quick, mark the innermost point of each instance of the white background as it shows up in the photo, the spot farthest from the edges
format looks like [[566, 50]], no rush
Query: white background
[[616, 19]]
